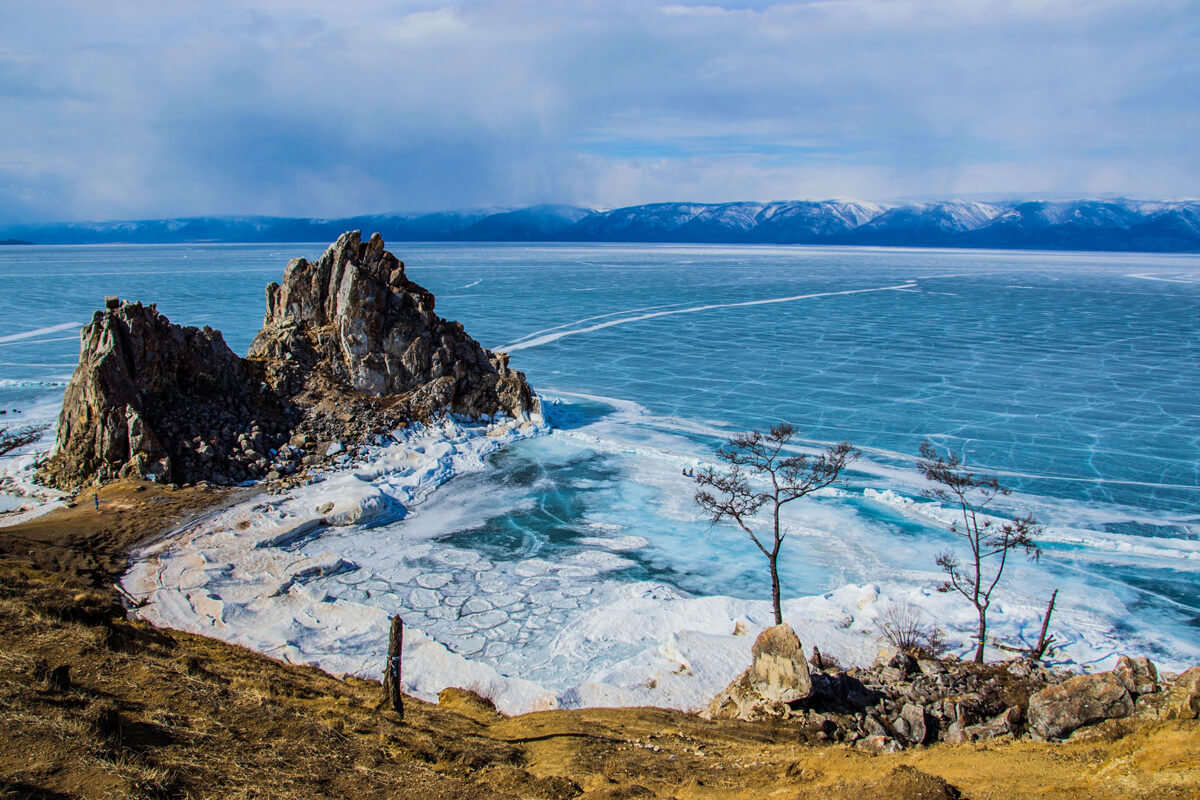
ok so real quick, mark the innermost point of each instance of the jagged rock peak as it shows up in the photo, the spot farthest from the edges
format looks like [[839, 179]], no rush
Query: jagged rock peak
[[350, 350], [155, 399], [356, 315]]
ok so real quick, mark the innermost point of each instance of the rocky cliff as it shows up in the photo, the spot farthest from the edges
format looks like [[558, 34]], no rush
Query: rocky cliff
[[350, 348], [353, 322], [151, 398]]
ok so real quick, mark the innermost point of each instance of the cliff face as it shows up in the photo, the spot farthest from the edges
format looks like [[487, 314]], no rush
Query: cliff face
[[353, 319], [151, 398], [349, 348]]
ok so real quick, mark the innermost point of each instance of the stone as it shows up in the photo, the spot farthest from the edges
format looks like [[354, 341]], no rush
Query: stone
[[1183, 701], [929, 666], [777, 677], [872, 744], [874, 727], [1151, 706], [917, 724], [1056, 711], [1007, 722], [1137, 675], [885, 655]]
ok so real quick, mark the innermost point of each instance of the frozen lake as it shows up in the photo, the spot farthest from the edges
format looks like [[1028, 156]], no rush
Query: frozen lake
[[1071, 376]]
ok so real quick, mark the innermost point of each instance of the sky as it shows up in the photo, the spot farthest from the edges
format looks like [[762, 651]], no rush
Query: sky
[[122, 109]]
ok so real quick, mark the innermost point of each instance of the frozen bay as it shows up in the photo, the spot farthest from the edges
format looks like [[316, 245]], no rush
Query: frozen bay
[[1072, 376]]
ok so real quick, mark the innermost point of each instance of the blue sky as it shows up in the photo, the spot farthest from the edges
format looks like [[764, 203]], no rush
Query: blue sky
[[125, 109]]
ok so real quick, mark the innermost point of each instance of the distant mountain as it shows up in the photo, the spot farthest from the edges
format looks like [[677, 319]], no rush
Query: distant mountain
[[536, 223], [1125, 225]]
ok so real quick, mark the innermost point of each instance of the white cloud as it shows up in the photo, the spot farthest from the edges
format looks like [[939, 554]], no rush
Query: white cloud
[[145, 109]]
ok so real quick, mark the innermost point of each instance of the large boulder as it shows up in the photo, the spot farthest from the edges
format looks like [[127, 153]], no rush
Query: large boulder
[[1138, 675], [1056, 711], [777, 678], [1183, 701]]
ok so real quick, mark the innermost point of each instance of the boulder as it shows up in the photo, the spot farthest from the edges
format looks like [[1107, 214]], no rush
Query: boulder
[[777, 677], [1056, 711], [917, 727], [1006, 722], [1183, 701], [1137, 675]]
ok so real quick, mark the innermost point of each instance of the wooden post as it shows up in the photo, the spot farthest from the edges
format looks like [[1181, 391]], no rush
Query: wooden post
[[392, 668]]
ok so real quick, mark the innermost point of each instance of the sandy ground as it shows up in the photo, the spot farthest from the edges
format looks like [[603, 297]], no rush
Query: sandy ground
[[163, 714]]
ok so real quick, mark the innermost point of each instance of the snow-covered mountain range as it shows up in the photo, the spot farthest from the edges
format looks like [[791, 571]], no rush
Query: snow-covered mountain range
[[1052, 225]]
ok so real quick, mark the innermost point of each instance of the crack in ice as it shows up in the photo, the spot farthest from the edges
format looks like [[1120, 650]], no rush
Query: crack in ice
[[540, 340]]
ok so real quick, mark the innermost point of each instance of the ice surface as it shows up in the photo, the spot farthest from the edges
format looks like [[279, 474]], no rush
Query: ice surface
[[642, 613], [1070, 376]]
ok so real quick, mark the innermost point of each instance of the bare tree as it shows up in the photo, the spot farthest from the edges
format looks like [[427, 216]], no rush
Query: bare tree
[[989, 543], [904, 627], [779, 478], [15, 438]]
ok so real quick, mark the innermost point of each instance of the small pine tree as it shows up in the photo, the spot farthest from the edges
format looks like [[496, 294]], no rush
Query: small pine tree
[[988, 543], [759, 456]]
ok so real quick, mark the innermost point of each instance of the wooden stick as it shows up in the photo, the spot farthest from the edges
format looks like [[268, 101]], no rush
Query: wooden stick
[[392, 669], [1037, 652]]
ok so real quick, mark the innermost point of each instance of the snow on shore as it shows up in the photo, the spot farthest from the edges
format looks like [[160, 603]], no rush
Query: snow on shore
[[313, 577]]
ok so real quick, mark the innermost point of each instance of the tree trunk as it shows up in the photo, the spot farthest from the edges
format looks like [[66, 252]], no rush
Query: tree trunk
[[391, 670], [982, 632], [775, 589]]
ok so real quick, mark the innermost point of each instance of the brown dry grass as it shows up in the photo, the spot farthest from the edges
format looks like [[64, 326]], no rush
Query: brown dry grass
[[162, 714]]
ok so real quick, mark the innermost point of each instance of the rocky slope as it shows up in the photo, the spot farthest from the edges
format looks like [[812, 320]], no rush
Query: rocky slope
[[350, 349], [909, 699]]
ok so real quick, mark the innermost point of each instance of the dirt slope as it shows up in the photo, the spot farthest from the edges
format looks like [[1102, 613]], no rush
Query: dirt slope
[[162, 714]]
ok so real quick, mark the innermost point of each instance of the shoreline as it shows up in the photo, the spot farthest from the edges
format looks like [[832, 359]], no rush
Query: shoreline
[[174, 696], [663, 655], [261, 577]]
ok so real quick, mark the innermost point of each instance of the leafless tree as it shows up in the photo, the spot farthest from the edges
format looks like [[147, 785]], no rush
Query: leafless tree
[[905, 628], [988, 542], [15, 438], [777, 478]]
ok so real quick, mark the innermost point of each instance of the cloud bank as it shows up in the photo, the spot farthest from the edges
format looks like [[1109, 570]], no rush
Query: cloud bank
[[136, 109]]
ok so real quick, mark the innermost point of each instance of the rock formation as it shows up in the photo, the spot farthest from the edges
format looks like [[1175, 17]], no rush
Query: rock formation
[[354, 320], [911, 699], [350, 348], [777, 677], [151, 398]]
